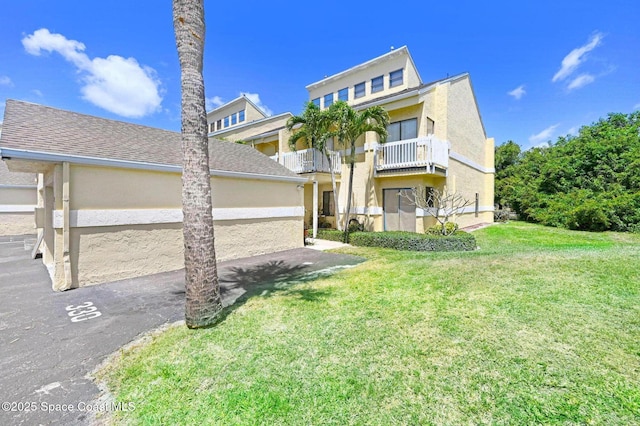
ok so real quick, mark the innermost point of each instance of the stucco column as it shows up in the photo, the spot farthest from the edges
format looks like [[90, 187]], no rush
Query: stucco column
[[315, 208]]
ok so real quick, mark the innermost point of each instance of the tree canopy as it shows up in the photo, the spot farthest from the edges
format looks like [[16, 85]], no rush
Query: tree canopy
[[590, 181]]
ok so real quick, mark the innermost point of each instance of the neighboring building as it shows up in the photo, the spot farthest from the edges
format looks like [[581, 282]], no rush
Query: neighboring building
[[436, 139], [237, 112], [17, 202], [109, 195]]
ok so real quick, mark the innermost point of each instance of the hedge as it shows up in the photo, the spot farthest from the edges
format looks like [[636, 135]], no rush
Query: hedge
[[459, 241]]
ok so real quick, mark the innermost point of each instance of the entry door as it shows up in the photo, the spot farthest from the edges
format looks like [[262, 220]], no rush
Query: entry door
[[399, 210]]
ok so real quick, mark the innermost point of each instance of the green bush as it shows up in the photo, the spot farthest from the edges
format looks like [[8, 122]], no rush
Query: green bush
[[436, 229], [330, 234], [459, 241]]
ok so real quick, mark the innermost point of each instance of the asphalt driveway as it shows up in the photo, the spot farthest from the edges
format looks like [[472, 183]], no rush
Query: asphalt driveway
[[50, 341]]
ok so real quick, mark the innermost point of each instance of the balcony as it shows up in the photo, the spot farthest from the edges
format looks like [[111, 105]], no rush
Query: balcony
[[428, 153], [309, 161]]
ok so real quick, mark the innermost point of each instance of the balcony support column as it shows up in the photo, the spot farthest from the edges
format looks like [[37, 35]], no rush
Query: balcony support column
[[315, 208]]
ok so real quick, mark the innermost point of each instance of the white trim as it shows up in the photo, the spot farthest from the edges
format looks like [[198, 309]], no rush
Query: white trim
[[98, 218], [18, 186], [105, 162], [468, 162], [17, 208], [469, 209], [372, 211]]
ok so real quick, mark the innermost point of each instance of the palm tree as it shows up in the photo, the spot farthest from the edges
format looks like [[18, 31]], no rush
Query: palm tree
[[314, 131], [203, 302], [348, 125]]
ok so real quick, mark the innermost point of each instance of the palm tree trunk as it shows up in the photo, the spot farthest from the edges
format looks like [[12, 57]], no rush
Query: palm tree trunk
[[352, 163], [203, 303], [335, 192]]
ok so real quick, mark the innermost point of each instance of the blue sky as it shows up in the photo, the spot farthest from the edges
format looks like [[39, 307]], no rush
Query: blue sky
[[539, 69]]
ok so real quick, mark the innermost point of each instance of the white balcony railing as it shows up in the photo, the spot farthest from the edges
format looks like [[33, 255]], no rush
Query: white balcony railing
[[309, 161], [427, 152]]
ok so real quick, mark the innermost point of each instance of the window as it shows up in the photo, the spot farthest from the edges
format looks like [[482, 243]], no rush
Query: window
[[395, 78], [219, 125], [212, 127], [343, 94], [226, 121], [401, 130], [328, 208], [234, 118], [430, 197], [431, 126], [477, 204], [328, 100], [377, 84], [241, 116], [316, 102], [358, 90]]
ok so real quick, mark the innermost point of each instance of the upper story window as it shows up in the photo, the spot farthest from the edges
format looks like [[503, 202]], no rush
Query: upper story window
[[241, 116], [395, 78], [358, 90], [328, 100], [377, 84], [431, 126], [316, 102], [226, 121], [212, 127], [219, 124], [343, 94], [402, 130], [234, 118]]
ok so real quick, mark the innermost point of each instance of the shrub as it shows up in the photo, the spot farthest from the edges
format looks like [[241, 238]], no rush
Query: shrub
[[330, 234], [459, 241], [449, 227]]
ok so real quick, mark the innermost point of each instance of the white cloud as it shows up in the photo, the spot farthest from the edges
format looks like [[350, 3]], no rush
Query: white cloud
[[573, 131], [5, 81], [637, 106], [255, 98], [518, 92], [212, 103], [581, 81], [544, 135], [37, 93], [116, 84], [576, 57]]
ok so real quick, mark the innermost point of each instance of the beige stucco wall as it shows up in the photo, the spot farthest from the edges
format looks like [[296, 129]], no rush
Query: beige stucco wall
[[233, 107], [350, 79], [13, 221], [17, 224], [243, 133], [112, 252]]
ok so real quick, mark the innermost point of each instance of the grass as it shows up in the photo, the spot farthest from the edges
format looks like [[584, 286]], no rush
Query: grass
[[540, 326]]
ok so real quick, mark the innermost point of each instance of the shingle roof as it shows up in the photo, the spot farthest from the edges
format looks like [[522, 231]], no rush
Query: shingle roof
[[39, 128], [11, 178]]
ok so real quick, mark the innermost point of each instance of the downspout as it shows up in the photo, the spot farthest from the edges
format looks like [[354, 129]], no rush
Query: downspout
[[66, 227], [315, 209]]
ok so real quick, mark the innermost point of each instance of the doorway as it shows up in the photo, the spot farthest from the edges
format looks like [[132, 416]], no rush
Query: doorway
[[399, 210]]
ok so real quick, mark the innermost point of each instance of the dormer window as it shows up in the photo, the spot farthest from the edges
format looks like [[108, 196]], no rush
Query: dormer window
[[395, 78], [226, 121], [316, 102], [343, 94], [358, 90], [234, 119], [241, 116], [377, 84]]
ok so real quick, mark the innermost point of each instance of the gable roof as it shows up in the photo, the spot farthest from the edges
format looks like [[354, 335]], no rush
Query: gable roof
[[404, 50], [37, 132], [235, 101]]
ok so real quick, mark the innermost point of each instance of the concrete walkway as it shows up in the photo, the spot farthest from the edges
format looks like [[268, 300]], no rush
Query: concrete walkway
[[50, 341], [323, 245]]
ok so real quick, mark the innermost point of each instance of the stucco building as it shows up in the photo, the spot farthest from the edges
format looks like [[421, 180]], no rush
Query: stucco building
[[436, 140], [17, 202], [109, 195]]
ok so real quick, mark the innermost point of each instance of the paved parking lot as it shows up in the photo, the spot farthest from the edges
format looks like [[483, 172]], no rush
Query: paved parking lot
[[50, 341]]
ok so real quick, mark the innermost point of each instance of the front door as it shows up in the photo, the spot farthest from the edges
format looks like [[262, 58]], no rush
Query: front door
[[399, 210]]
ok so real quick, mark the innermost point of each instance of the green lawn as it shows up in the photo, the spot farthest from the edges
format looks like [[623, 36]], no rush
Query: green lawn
[[539, 326]]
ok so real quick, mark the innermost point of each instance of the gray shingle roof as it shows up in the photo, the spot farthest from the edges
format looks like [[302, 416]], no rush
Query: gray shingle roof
[[39, 128], [11, 178]]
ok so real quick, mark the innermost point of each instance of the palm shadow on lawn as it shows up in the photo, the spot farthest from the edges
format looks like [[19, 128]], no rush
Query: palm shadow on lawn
[[239, 284]]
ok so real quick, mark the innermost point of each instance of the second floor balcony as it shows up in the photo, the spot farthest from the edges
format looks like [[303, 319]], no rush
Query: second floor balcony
[[428, 153], [309, 161]]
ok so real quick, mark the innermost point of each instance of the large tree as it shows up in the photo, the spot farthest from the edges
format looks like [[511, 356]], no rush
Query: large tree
[[203, 302], [347, 126]]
